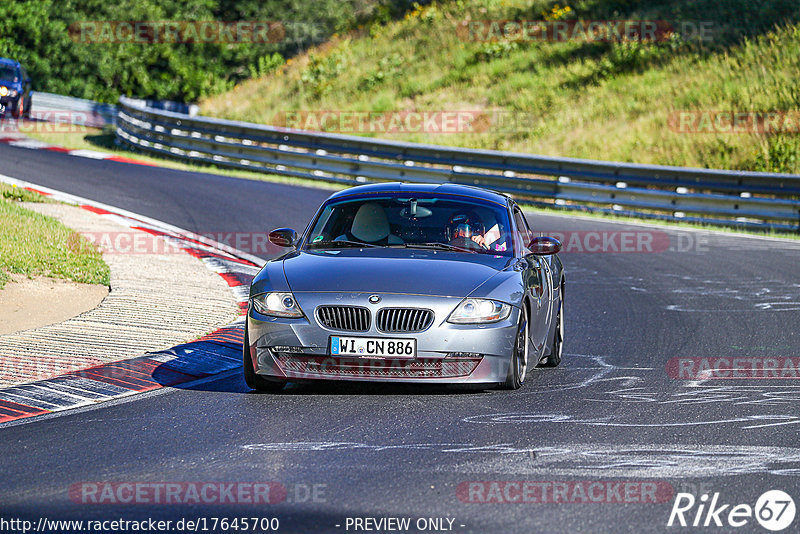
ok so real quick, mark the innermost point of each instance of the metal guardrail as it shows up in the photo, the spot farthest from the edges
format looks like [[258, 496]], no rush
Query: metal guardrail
[[67, 109], [713, 196], [166, 105]]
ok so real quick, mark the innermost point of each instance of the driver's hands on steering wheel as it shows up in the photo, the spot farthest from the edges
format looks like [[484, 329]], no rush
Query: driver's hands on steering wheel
[[467, 243], [479, 239]]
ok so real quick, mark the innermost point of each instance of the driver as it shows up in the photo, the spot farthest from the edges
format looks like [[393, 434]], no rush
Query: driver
[[466, 227]]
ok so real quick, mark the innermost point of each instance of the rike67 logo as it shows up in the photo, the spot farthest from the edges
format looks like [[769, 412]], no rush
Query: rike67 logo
[[774, 510]]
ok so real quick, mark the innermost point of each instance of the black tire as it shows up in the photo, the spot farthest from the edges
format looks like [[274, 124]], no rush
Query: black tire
[[554, 358], [15, 111], [519, 357], [27, 110], [254, 381]]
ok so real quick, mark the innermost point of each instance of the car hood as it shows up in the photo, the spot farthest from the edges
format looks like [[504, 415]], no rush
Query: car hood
[[386, 270]]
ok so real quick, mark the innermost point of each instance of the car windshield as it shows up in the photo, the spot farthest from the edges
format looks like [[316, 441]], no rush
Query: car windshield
[[414, 221], [8, 73]]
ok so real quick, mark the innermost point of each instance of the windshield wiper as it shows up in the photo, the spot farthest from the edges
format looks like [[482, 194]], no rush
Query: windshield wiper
[[440, 246], [340, 243]]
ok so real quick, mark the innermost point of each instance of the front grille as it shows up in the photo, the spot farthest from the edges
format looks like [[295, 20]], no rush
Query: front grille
[[404, 320], [348, 318], [297, 366]]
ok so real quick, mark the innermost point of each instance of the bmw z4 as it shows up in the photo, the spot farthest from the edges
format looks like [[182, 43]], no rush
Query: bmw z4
[[421, 283]]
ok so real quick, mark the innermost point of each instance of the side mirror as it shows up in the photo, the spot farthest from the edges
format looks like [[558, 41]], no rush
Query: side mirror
[[283, 237], [544, 246]]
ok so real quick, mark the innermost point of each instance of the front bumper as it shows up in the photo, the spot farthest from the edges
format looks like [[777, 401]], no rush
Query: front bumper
[[9, 102], [297, 349]]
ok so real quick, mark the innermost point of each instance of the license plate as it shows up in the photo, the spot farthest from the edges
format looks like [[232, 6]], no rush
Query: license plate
[[373, 346]]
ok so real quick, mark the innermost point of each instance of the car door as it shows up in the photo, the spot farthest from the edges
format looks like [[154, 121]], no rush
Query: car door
[[536, 282]]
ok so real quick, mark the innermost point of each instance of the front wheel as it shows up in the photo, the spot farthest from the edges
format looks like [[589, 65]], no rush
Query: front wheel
[[251, 378], [518, 366]]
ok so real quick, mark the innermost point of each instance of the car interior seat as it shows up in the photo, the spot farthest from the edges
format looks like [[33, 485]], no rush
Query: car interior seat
[[371, 225]]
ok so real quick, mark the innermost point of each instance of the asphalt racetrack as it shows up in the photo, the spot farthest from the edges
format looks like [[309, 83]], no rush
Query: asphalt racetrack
[[621, 421]]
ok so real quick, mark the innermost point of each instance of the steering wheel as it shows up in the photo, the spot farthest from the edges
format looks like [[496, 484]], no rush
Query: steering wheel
[[467, 243]]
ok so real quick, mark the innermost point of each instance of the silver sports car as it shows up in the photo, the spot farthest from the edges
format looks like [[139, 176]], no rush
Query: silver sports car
[[409, 283]]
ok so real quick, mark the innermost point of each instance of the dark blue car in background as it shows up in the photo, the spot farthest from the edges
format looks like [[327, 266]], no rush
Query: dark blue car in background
[[15, 89]]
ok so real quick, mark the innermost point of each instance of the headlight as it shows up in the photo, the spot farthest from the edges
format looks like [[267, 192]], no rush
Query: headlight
[[3, 90], [472, 311], [277, 305]]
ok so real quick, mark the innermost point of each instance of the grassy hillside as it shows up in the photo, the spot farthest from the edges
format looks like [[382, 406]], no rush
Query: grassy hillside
[[601, 100]]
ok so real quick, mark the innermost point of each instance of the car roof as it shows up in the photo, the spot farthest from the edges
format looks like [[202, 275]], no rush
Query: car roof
[[443, 189], [7, 61]]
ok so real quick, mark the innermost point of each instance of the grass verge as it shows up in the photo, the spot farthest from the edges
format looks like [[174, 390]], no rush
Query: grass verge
[[35, 245]]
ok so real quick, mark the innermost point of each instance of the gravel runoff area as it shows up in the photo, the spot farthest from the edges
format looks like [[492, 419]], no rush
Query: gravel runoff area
[[157, 299]]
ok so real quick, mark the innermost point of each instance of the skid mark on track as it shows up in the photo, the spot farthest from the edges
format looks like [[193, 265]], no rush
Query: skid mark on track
[[692, 393], [700, 294], [744, 421], [645, 461], [756, 294], [320, 446], [606, 460], [594, 370]]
